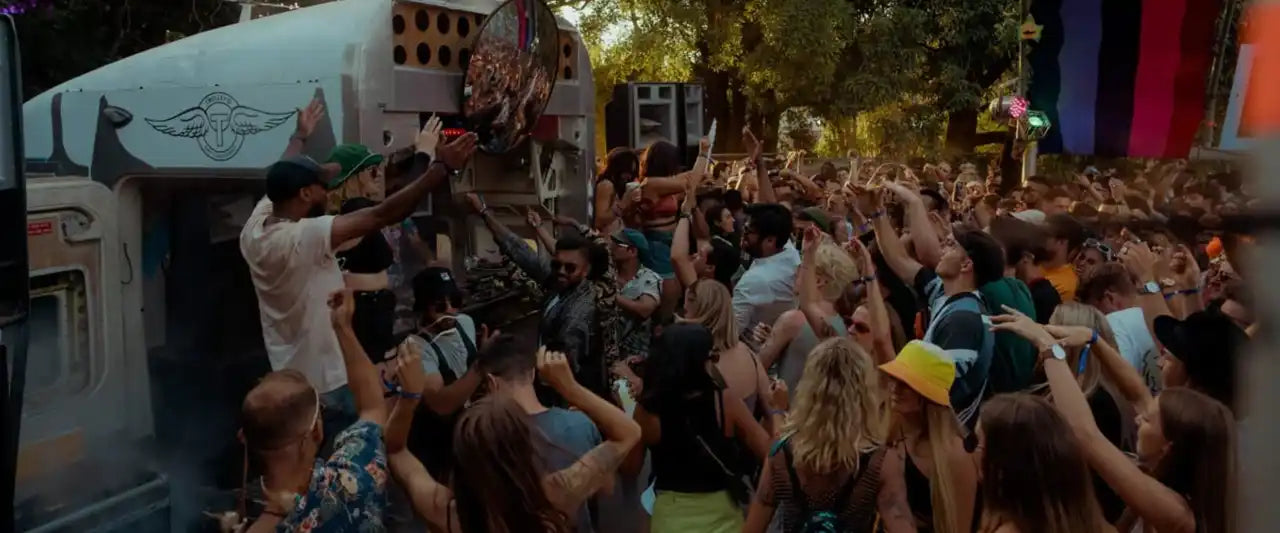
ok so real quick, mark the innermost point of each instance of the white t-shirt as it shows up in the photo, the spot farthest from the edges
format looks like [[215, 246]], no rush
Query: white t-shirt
[[294, 271], [1134, 342]]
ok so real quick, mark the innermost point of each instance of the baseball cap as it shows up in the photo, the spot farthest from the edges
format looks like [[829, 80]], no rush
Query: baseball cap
[[926, 368], [817, 216], [1034, 216], [1207, 343], [351, 159], [432, 285], [292, 174], [635, 239]]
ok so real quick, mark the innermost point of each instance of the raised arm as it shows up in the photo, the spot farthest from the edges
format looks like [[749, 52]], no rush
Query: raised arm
[[575, 484], [923, 234], [606, 197], [895, 254], [881, 327], [362, 377], [428, 497], [1117, 370], [1159, 507], [810, 299], [396, 207], [755, 149], [512, 246], [308, 118], [686, 273], [546, 240]]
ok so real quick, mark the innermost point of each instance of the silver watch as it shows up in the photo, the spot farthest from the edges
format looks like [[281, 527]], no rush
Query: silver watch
[[1150, 287], [1056, 351]]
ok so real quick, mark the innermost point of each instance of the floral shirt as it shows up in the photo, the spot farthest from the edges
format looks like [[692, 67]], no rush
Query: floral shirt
[[347, 492]]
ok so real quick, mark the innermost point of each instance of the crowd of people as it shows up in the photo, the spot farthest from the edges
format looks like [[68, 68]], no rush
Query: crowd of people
[[874, 348]]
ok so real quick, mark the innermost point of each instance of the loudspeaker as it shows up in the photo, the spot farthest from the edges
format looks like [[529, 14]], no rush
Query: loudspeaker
[[641, 113]]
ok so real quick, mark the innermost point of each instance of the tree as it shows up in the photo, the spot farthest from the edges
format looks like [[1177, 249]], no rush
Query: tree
[[62, 39]]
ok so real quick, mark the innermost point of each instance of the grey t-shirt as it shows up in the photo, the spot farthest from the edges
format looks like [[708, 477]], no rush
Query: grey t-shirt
[[451, 347], [791, 367], [570, 435]]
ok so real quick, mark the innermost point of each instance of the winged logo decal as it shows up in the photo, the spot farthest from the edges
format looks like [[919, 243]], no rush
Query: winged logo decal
[[219, 124]]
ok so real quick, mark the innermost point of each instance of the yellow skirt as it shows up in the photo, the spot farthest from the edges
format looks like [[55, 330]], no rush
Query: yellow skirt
[[684, 512]]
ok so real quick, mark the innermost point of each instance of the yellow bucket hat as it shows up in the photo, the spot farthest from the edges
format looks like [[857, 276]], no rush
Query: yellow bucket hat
[[926, 368]]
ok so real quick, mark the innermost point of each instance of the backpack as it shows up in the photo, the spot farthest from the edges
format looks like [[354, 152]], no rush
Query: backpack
[[430, 434], [818, 520], [1014, 360]]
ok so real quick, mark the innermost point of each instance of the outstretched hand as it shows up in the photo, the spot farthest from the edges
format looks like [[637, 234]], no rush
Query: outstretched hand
[[308, 118], [342, 304], [553, 368], [408, 368], [429, 137], [1016, 322], [456, 153], [532, 218]]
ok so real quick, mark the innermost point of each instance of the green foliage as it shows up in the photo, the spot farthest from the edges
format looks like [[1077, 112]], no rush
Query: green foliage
[[898, 66], [71, 37]]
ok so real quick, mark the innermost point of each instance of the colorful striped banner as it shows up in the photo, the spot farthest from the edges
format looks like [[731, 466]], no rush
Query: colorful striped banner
[[1122, 77]]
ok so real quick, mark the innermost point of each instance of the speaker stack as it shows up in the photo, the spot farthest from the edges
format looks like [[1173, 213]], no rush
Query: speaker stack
[[642, 113]]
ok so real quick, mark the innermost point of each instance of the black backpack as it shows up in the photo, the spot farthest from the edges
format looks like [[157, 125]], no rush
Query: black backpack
[[431, 435]]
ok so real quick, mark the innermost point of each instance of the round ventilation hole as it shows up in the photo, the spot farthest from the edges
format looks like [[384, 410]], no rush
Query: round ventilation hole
[[464, 26], [424, 54], [399, 55], [464, 57], [446, 55], [567, 50], [442, 23], [568, 73], [422, 20], [397, 24]]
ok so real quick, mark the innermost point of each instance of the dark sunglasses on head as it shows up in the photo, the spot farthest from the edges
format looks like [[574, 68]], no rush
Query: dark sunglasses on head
[[569, 268]]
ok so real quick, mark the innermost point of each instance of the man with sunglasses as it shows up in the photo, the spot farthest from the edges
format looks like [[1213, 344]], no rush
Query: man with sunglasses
[[568, 322], [767, 288]]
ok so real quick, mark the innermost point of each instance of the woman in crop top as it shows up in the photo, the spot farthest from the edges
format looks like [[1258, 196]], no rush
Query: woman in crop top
[[364, 263], [659, 192], [620, 169]]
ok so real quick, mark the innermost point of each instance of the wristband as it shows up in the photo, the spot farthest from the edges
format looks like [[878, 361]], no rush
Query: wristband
[[865, 279], [1188, 292], [779, 412], [446, 166], [876, 215], [1084, 354], [411, 395]]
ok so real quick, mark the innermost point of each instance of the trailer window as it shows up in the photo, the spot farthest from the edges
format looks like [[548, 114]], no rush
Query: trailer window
[[58, 360]]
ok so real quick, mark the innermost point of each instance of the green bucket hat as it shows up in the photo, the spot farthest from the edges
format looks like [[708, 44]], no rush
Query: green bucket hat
[[351, 158]]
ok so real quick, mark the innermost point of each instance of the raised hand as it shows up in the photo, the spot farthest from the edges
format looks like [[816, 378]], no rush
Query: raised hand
[[554, 369], [812, 240], [1140, 260], [308, 118], [486, 337], [429, 137], [1017, 322], [408, 368], [1071, 336], [749, 141], [475, 202], [342, 304], [778, 398], [455, 154], [532, 218]]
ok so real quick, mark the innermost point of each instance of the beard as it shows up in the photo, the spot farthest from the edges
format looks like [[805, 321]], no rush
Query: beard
[[317, 210]]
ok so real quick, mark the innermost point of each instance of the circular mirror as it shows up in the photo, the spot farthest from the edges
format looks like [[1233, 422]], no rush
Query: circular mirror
[[510, 74]]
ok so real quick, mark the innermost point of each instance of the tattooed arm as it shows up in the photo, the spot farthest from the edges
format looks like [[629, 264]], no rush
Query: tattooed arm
[[891, 503], [572, 486]]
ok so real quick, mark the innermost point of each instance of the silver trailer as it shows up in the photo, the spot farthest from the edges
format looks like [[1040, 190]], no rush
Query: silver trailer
[[143, 325]]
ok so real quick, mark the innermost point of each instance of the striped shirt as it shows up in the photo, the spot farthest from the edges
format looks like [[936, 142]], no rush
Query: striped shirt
[[957, 325]]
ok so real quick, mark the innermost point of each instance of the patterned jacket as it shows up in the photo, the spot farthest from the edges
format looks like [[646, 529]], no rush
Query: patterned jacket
[[583, 321]]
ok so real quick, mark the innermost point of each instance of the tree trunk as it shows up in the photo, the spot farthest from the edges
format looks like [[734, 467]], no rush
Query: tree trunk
[[962, 133]]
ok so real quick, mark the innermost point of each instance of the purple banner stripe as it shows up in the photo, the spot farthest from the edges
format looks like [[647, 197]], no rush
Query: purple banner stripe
[[1078, 60]]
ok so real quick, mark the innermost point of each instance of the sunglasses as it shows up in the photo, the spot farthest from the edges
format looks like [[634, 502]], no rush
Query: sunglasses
[[568, 268], [1102, 247]]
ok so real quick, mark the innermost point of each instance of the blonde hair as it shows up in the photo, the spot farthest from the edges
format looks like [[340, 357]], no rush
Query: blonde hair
[[351, 188], [837, 413], [712, 306], [942, 428], [835, 269], [1078, 314]]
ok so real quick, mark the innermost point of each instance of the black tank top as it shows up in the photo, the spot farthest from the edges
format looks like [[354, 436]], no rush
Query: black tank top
[[920, 498], [680, 463]]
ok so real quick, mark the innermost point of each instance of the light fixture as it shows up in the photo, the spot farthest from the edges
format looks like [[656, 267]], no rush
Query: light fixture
[[1034, 125]]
